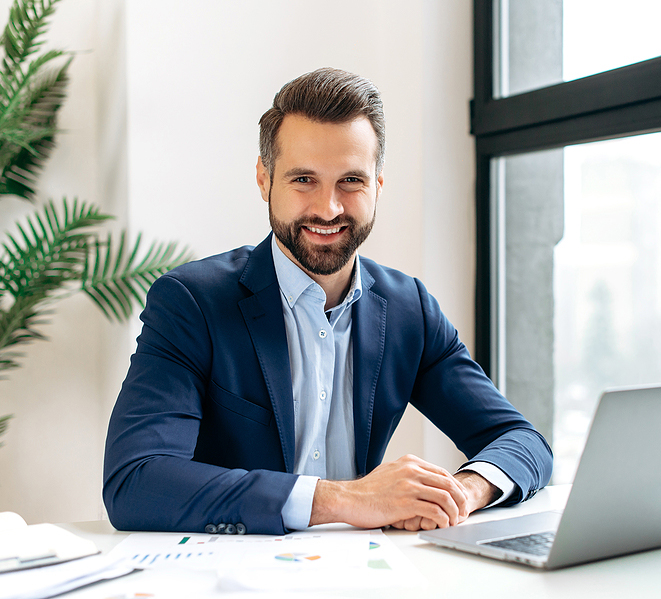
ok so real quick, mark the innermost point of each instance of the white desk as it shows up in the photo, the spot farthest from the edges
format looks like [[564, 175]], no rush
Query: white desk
[[449, 573]]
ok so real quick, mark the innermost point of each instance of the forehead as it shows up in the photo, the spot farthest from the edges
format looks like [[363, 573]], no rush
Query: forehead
[[301, 140]]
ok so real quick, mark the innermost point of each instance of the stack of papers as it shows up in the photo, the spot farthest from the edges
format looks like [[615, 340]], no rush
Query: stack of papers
[[23, 546], [49, 581], [44, 560]]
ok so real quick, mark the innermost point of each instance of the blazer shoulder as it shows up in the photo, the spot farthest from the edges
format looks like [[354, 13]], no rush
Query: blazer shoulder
[[390, 282], [209, 269], [407, 298], [212, 282]]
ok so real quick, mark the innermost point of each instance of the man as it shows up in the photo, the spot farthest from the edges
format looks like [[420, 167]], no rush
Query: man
[[268, 381]]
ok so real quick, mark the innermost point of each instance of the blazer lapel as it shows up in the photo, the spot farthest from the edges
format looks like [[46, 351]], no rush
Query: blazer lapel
[[369, 332], [262, 313]]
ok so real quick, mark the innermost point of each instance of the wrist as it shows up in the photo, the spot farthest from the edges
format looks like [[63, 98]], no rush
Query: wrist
[[479, 490], [327, 502]]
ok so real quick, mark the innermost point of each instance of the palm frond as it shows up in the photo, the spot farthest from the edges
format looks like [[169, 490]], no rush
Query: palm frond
[[3, 424], [18, 325], [28, 20], [27, 131], [30, 97], [14, 85], [49, 249], [38, 263], [114, 281], [58, 250], [27, 135]]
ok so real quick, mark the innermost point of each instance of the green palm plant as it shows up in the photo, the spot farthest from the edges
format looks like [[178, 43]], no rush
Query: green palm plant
[[57, 250], [31, 92]]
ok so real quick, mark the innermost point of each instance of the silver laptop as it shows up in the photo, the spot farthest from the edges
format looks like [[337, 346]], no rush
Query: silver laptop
[[614, 507]]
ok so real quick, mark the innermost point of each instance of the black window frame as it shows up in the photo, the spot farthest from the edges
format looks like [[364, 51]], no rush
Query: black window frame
[[617, 103]]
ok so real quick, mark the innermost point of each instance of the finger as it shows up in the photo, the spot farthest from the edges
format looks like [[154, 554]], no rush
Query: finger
[[419, 523], [413, 523], [427, 524], [435, 518], [431, 475], [434, 475], [423, 464], [447, 499], [450, 484], [435, 513], [423, 514]]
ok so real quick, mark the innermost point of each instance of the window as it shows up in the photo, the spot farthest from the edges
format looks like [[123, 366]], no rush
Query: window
[[568, 297], [543, 42]]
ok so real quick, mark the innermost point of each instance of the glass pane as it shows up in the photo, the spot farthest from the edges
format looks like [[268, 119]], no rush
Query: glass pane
[[600, 35], [607, 282], [579, 271], [544, 42]]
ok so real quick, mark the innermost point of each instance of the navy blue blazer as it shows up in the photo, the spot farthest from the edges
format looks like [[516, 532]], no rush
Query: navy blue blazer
[[203, 428]]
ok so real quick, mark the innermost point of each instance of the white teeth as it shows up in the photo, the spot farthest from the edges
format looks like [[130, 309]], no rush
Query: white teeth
[[324, 231]]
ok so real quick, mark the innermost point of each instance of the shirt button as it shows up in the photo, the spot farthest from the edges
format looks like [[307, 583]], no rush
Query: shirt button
[[322, 395], [317, 454], [323, 334]]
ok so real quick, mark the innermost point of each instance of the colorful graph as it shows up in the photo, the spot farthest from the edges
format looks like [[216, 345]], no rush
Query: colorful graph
[[296, 557]]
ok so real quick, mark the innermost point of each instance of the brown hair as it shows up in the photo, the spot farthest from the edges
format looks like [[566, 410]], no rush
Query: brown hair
[[328, 96]]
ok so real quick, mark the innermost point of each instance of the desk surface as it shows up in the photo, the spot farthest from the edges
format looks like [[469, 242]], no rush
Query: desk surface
[[449, 573]]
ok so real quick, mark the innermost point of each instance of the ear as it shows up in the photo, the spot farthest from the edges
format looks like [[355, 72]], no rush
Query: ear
[[263, 179], [379, 185]]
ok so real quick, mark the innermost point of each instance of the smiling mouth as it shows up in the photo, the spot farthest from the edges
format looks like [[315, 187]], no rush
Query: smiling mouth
[[324, 231]]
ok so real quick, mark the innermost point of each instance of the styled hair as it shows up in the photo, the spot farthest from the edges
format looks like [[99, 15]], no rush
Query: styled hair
[[328, 96]]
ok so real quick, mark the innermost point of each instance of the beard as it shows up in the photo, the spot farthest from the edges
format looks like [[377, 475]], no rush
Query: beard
[[321, 259]]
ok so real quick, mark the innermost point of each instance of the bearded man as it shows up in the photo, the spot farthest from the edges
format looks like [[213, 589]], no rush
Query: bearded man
[[268, 380]]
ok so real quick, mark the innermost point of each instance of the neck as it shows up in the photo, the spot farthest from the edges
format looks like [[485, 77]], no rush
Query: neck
[[335, 286]]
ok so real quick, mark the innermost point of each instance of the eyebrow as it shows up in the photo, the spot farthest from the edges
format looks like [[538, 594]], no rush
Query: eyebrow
[[304, 172]]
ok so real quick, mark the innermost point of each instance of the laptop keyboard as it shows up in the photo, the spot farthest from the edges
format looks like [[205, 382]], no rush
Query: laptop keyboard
[[535, 544]]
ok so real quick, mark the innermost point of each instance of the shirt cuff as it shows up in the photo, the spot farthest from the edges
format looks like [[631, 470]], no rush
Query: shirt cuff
[[495, 476], [298, 508]]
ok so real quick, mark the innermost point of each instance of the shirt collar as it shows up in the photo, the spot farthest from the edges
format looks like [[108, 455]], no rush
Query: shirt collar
[[293, 281]]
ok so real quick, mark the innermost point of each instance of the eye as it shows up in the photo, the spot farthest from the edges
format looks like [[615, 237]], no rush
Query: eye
[[302, 179], [351, 183]]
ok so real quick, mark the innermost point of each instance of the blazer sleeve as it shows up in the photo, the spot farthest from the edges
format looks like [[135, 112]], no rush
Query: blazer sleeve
[[151, 478], [456, 395]]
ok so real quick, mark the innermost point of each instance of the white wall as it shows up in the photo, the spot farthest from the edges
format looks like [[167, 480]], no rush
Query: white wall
[[162, 131]]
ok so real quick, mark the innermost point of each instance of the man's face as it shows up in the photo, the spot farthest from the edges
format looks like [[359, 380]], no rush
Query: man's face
[[323, 193]]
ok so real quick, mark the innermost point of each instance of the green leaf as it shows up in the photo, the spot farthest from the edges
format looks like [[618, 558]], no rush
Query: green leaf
[[41, 263], [28, 20], [112, 281], [58, 251], [4, 421], [55, 251], [50, 251], [31, 94], [27, 132]]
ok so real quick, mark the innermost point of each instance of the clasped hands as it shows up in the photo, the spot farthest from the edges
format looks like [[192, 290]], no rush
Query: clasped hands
[[408, 493]]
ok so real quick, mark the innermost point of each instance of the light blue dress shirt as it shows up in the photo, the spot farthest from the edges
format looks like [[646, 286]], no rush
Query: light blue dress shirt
[[321, 362]]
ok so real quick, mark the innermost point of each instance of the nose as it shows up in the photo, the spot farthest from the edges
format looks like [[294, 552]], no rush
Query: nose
[[328, 203]]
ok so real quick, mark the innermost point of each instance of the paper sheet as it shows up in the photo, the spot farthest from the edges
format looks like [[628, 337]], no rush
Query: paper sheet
[[11, 521], [310, 560], [49, 581]]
